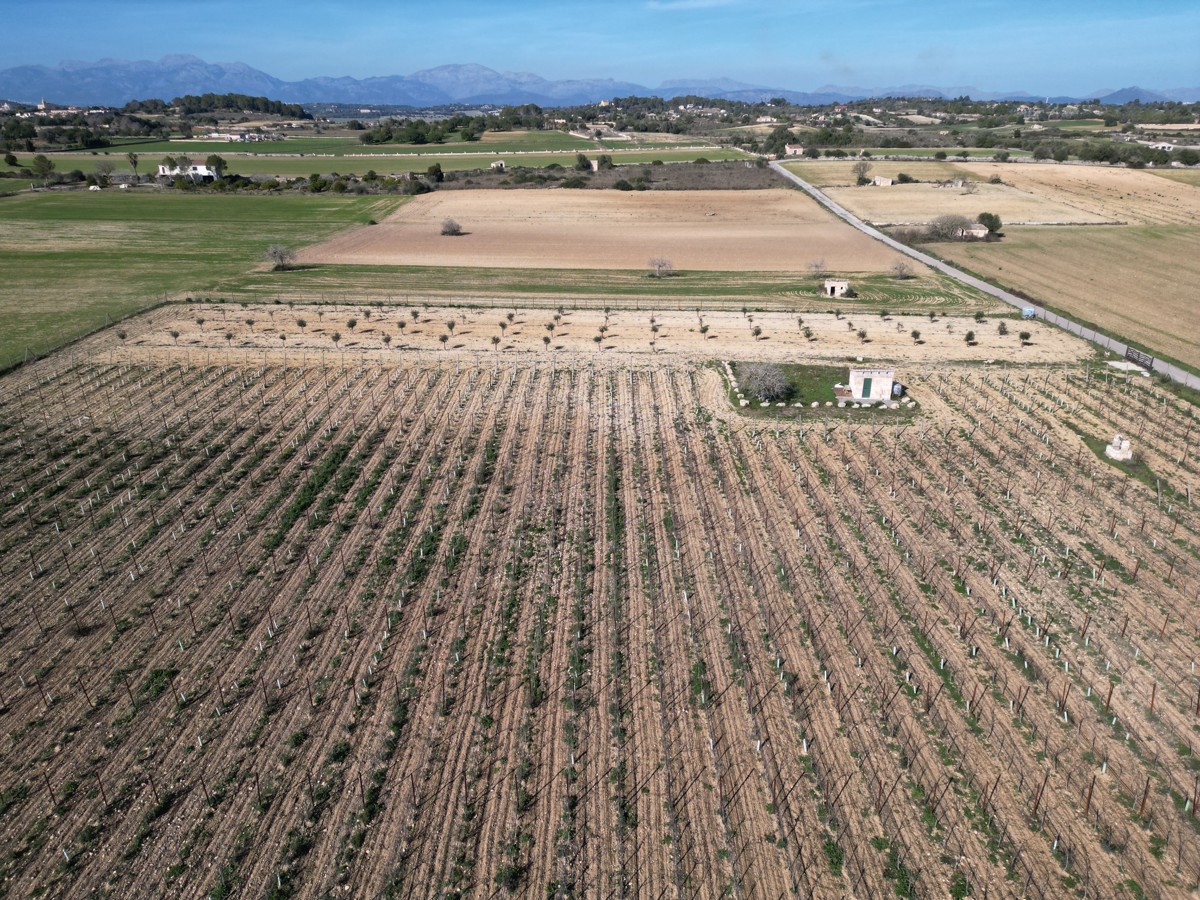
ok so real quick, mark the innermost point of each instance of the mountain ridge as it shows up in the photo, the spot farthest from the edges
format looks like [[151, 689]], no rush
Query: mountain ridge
[[113, 82]]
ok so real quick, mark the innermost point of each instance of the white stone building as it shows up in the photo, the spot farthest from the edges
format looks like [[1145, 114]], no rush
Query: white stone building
[[836, 287]]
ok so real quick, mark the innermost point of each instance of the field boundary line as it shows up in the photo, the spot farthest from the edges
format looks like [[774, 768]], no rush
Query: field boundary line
[[1175, 373]]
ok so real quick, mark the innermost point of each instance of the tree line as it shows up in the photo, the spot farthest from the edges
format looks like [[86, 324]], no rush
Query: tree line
[[193, 104]]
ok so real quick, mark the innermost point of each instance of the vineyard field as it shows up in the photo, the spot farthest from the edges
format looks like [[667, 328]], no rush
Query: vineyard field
[[552, 624]]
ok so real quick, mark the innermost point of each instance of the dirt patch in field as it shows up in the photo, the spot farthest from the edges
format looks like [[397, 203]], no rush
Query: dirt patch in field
[[697, 230]]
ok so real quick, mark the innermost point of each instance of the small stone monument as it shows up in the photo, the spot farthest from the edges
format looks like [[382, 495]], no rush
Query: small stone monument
[[1119, 449]]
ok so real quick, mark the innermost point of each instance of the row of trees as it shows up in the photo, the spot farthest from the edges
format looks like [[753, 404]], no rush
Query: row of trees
[[193, 104]]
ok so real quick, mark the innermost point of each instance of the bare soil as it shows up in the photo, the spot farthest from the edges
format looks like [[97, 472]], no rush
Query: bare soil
[[777, 230]]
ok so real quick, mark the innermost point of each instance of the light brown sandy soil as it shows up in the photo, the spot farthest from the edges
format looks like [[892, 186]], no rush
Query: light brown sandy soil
[[729, 336], [772, 230]]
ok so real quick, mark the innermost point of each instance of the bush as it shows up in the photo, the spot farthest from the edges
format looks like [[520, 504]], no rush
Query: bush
[[575, 181], [948, 227], [623, 185], [941, 154], [451, 228], [905, 178], [766, 381], [991, 220]]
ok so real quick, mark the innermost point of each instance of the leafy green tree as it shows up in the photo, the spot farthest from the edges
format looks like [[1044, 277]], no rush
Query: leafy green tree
[[41, 166], [991, 220], [777, 140], [10, 159], [216, 163], [132, 159], [582, 163], [435, 172]]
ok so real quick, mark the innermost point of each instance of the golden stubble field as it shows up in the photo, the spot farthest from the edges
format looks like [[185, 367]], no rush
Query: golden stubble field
[[772, 230], [1030, 193], [1138, 281], [1135, 280]]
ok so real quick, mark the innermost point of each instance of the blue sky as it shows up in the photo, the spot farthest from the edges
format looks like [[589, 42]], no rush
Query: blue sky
[[1043, 46]]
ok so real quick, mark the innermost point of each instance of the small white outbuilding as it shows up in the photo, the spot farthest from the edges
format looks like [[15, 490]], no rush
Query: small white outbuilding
[[868, 386], [836, 287]]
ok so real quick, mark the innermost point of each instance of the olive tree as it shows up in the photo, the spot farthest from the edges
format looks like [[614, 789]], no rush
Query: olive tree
[[766, 381], [282, 257], [948, 227]]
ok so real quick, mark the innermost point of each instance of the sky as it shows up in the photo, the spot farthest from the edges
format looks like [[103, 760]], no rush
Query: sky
[[1072, 47]]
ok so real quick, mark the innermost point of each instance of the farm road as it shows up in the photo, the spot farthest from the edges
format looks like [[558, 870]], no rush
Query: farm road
[[1088, 334]]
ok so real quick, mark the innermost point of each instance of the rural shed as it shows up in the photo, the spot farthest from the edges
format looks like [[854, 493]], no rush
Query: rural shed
[[835, 287], [868, 386], [498, 166], [881, 181]]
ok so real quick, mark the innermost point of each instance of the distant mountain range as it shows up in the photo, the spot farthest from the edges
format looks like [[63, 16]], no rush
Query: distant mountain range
[[113, 82]]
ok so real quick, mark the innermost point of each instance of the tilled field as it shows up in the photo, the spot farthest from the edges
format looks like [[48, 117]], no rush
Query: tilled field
[[573, 628], [762, 230]]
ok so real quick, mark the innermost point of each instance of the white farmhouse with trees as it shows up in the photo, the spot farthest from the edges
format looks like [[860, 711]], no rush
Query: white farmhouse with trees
[[183, 168]]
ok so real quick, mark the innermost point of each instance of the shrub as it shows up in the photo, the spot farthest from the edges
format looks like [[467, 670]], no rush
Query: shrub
[[991, 220], [451, 228], [766, 381], [947, 227]]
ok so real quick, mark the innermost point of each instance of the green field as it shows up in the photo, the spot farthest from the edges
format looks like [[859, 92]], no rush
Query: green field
[[8, 185], [381, 163], [773, 290], [71, 259], [1076, 124], [1183, 176]]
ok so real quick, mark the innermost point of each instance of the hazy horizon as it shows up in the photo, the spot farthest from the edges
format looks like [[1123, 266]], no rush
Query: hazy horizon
[[1070, 48]]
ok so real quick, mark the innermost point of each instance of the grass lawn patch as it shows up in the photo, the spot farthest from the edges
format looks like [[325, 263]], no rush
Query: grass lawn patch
[[812, 383], [74, 259]]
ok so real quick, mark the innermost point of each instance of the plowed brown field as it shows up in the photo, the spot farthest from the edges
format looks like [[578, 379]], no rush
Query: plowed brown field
[[773, 230]]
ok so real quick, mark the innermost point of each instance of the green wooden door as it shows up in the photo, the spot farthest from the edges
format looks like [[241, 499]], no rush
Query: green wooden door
[[866, 388]]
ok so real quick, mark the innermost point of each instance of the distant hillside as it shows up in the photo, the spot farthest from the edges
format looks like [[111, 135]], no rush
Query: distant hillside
[[114, 82]]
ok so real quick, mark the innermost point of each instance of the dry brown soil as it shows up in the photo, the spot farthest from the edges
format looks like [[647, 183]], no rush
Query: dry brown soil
[[771, 230]]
